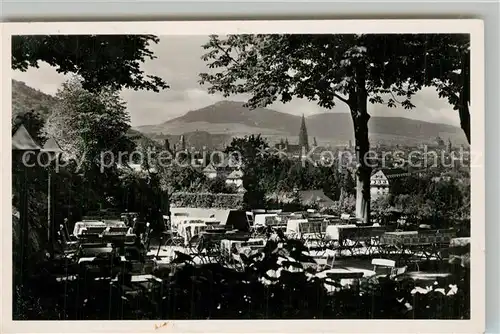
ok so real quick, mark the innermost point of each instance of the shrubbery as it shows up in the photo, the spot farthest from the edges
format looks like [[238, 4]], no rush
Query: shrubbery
[[273, 285], [207, 200]]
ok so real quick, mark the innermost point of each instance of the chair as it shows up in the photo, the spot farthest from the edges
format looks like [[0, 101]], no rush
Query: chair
[[383, 263], [395, 272], [330, 258], [66, 243], [69, 237], [118, 230]]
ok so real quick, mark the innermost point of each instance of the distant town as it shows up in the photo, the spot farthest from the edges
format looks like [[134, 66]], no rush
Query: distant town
[[235, 210]]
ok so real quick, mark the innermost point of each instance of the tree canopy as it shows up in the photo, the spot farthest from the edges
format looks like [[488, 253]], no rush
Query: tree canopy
[[101, 60], [351, 68], [447, 68], [86, 124], [251, 152]]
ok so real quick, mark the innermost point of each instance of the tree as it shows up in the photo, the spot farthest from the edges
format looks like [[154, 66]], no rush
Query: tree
[[345, 205], [348, 185], [91, 129], [328, 179], [353, 69], [447, 199], [445, 60], [218, 185], [174, 178], [248, 148], [381, 206], [415, 207], [86, 124], [250, 153], [101, 60], [411, 184], [33, 122]]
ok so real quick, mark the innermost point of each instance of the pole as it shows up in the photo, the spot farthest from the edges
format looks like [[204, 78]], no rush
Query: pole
[[24, 224]]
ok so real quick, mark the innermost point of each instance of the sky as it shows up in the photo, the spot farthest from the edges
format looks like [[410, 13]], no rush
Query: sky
[[179, 63]]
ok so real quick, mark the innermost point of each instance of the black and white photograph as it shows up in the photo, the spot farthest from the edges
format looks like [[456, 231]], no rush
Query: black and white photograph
[[239, 175]]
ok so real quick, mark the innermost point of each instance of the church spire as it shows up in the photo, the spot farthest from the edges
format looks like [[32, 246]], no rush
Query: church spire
[[182, 143], [303, 140]]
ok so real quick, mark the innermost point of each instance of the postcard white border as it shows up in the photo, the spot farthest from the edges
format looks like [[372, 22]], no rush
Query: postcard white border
[[474, 27]]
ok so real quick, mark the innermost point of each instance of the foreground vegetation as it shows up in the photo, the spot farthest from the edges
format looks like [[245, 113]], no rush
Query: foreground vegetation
[[274, 285]]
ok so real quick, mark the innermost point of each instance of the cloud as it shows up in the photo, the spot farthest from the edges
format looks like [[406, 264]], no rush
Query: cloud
[[179, 63]]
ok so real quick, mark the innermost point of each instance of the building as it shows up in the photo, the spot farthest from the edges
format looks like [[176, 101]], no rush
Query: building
[[309, 198], [303, 139], [235, 178], [181, 145], [300, 149], [381, 180], [221, 169], [315, 197], [379, 185], [210, 171]]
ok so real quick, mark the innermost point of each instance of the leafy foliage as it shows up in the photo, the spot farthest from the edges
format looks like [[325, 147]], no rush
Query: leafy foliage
[[353, 69], [276, 283], [250, 152], [218, 185], [111, 61], [320, 68], [346, 204], [446, 66], [32, 121], [86, 124], [174, 178], [207, 200], [439, 202]]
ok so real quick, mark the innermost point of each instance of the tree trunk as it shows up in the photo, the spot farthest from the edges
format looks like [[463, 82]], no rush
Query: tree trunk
[[464, 97], [465, 120], [363, 172], [360, 119]]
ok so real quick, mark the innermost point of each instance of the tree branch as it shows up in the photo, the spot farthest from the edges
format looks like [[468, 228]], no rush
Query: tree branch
[[226, 53], [343, 99], [395, 99]]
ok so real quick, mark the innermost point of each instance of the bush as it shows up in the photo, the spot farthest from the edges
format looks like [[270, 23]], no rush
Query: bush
[[268, 288], [207, 200]]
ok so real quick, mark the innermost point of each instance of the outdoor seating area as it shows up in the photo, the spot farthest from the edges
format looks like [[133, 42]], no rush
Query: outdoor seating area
[[336, 249]]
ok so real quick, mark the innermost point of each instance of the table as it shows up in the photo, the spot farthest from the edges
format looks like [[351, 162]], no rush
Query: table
[[421, 244], [352, 237], [81, 226], [338, 276], [340, 273], [460, 251]]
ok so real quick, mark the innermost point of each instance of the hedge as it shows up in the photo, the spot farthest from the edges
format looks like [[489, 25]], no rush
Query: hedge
[[207, 200]]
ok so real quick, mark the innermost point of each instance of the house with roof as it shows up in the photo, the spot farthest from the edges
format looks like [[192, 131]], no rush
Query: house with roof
[[235, 178], [315, 197], [308, 198], [221, 169], [210, 171], [381, 180]]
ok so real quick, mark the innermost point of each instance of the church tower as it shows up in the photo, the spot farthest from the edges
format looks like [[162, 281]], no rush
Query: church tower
[[303, 140], [182, 143]]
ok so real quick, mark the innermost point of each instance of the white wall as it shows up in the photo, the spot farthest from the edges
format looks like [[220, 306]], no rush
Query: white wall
[[236, 182]]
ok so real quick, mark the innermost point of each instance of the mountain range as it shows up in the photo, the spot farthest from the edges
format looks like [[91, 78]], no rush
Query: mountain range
[[230, 119], [216, 124]]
